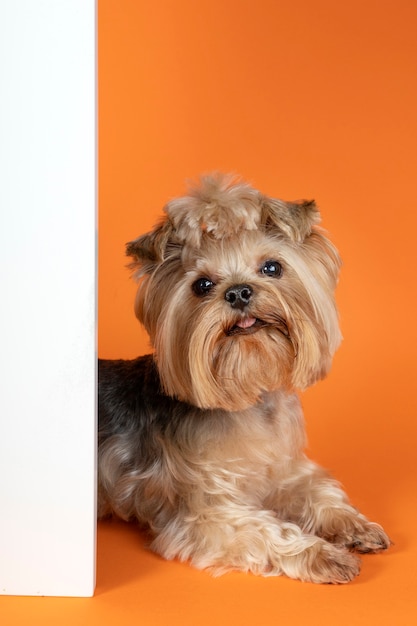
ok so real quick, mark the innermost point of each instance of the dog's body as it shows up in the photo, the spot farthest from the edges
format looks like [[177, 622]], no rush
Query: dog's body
[[203, 441]]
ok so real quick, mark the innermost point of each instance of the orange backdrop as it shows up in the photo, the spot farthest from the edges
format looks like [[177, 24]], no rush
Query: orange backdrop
[[309, 98]]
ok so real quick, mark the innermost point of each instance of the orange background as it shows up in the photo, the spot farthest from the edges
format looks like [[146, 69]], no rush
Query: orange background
[[305, 99]]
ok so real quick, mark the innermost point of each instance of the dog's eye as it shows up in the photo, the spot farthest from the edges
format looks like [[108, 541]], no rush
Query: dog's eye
[[202, 286], [272, 268]]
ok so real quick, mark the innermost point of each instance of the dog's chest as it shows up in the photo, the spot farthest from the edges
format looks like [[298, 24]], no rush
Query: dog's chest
[[252, 450]]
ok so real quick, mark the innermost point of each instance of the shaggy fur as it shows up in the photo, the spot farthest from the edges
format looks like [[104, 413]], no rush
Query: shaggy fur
[[202, 442]]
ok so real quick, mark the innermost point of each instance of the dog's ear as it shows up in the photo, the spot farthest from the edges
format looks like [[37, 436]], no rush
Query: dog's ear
[[294, 219], [153, 248]]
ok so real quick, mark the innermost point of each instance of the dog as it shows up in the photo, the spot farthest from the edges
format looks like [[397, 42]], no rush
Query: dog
[[202, 441]]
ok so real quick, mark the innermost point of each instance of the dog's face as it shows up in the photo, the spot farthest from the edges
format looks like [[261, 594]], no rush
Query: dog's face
[[237, 294]]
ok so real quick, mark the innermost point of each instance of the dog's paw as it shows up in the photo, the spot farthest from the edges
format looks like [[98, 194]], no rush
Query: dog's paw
[[356, 533], [331, 564], [369, 538], [323, 563]]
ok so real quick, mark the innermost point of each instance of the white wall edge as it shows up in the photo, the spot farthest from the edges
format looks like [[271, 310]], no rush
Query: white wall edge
[[48, 282]]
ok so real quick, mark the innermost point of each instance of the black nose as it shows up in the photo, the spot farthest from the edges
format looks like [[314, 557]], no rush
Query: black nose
[[238, 296]]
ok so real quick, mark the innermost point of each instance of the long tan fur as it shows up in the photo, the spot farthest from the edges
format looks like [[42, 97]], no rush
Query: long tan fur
[[202, 442]]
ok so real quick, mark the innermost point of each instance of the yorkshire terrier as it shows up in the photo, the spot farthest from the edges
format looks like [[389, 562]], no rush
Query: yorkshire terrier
[[202, 441]]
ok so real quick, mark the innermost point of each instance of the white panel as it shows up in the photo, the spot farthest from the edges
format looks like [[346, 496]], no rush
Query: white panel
[[48, 296]]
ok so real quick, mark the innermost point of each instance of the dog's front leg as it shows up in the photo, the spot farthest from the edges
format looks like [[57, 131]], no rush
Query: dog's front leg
[[250, 540], [313, 500]]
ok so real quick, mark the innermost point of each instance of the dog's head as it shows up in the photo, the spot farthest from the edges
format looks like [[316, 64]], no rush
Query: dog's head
[[237, 294]]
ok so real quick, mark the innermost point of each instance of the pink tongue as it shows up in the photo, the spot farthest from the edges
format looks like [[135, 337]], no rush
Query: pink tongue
[[247, 322]]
